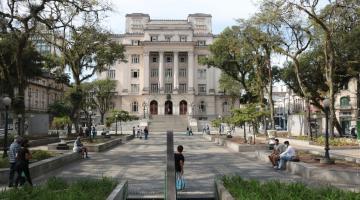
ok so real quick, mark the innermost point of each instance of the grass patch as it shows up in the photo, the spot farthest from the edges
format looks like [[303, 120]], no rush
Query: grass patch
[[59, 189], [4, 162], [336, 142], [253, 190], [41, 155]]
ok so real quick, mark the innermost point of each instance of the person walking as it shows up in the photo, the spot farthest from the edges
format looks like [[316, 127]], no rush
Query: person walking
[[22, 163], [179, 168], [138, 131], [93, 131], [133, 131], [190, 131], [146, 132], [14, 148]]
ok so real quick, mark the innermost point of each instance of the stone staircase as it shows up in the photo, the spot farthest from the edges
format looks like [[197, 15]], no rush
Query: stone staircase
[[162, 123]]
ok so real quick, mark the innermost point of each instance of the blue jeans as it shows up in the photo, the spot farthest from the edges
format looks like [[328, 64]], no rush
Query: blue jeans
[[283, 160], [12, 174]]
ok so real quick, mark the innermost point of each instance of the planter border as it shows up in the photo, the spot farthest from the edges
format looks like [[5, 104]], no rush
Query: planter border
[[120, 192], [97, 147], [44, 166], [316, 173], [235, 146], [221, 193]]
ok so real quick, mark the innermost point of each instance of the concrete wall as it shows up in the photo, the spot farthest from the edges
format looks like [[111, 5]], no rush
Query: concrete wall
[[38, 124], [297, 125]]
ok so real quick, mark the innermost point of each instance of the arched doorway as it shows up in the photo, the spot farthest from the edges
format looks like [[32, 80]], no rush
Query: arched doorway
[[183, 107], [168, 108], [153, 107]]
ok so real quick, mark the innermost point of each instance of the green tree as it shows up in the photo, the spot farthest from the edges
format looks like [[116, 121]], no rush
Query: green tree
[[19, 21], [250, 114], [231, 87], [119, 116], [103, 91]]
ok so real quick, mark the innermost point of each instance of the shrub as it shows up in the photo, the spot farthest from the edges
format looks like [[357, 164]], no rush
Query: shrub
[[253, 189], [336, 141], [59, 189], [4, 162], [41, 154]]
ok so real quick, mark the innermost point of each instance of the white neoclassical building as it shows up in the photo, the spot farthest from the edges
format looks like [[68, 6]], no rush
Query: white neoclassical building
[[163, 75]]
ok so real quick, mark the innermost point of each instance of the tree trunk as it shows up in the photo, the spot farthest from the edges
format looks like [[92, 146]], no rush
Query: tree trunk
[[309, 119], [245, 133], [102, 117]]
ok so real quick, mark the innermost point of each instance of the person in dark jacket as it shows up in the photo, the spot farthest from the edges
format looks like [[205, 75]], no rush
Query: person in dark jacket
[[22, 163]]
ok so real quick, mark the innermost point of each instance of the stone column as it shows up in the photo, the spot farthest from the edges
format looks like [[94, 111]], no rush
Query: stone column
[[146, 73], [161, 71], [176, 72], [191, 68]]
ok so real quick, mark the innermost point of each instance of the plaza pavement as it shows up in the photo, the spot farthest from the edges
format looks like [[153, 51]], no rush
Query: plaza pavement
[[142, 163]]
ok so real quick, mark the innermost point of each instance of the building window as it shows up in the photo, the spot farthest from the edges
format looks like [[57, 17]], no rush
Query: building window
[[183, 38], [135, 73], [154, 38], [182, 88], [167, 38], [154, 73], [201, 74], [168, 87], [202, 107], [182, 59], [202, 88], [344, 102], [111, 74], [182, 72], [154, 59], [134, 88], [154, 88], [168, 73], [134, 106], [201, 43], [168, 59], [135, 42], [135, 58]]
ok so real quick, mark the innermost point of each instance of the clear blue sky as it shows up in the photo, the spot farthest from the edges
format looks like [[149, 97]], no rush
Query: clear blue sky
[[224, 12]]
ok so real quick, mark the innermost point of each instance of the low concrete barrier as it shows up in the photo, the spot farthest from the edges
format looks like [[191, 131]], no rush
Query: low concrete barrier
[[316, 173], [43, 166], [96, 147], [221, 192], [120, 192], [45, 141], [235, 146]]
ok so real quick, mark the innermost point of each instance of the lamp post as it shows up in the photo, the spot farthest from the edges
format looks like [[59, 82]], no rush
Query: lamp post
[[90, 114], [326, 160], [7, 103], [116, 117]]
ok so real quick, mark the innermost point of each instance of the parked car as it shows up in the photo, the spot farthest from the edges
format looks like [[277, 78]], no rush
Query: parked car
[[277, 127]]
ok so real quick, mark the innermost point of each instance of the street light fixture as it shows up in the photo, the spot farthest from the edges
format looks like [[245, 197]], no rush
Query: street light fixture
[[326, 160], [7, 103]]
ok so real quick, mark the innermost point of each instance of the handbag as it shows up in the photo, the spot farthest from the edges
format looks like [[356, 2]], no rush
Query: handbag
[[180, 183]]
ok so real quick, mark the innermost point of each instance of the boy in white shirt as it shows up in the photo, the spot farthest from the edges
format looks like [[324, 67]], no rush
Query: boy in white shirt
[[287, 155]]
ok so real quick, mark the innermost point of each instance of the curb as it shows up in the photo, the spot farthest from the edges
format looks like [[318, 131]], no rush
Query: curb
[[120, 192], [221, 192]]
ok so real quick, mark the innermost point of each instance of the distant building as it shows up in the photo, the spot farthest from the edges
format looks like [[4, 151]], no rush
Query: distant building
[[163, 75]]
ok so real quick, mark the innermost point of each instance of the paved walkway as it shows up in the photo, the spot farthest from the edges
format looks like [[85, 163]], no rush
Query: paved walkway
[[143, 164]]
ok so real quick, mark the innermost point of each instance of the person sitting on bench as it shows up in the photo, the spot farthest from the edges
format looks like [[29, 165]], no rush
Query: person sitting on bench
[[79, 147], [288, 155], [274, 157]]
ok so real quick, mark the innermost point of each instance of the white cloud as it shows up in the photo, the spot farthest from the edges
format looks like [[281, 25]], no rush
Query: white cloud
[[224, 12]]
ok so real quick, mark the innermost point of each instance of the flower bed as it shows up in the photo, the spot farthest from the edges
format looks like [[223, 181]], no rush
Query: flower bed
[[59, 189], [253, 189]]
